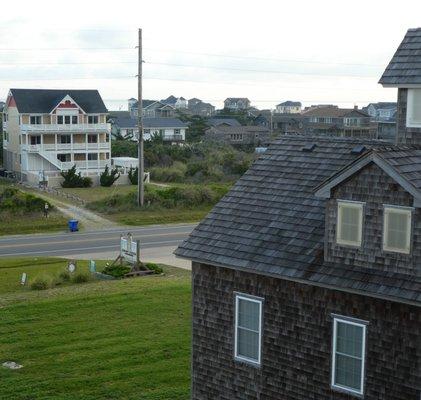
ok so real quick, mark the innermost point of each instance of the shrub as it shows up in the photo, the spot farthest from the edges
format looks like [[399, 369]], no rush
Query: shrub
[[64, 276], [15, 200], [133, 173], [108, 177], [117, 271], [154, 267], [75, 180], [40, 283], [80, 277], [175, 173]]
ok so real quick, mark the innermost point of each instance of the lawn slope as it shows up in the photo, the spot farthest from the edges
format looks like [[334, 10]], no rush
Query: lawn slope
[[126, 339]]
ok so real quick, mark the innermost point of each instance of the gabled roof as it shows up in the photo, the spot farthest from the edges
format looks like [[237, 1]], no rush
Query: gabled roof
[[333, 112], [290, 104], [213, 121], [383, 105], [44, 100], [405, 66], [124, 120], [271, 223], [403, 164], [237, 99], [227, 130]]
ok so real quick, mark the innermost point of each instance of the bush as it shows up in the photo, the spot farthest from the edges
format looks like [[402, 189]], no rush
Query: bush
[[154, 267], [108, 177], [64, 276], [80, 277], [40, 283], [15, 200], [175, 173], [75, 180], [117, 271], [133, 174]]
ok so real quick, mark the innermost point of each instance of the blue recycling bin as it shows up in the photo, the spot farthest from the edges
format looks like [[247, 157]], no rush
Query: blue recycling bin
[[73, 225]]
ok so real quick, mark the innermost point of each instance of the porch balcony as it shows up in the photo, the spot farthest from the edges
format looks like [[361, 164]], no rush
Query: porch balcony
[[51, 128]]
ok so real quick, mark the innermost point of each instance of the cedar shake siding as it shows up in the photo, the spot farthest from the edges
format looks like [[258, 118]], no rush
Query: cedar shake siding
[[375, 188], [405, 135], [297, 340]]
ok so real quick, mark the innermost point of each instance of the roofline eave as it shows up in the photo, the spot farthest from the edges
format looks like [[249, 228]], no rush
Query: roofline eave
[[305, 282], [324, 190]]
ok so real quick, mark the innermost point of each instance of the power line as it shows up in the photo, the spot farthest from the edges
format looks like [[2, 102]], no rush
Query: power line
[[170, 51]]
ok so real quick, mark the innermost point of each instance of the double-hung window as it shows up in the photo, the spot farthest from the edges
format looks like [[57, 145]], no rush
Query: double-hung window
[[35, 120], [397, 229], [349, 225], [248, 328], [348, 356], [92, 119], [413, 112]]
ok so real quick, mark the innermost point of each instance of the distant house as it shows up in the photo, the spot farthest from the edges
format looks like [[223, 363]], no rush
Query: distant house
[[335, 121], [382, 111], [239, 135], [383, 118], [237, 103], [290, 123], [48, 131], [215, 121], [289, 107], [198, 107], [175, 102], [171, 130], [151, 109]]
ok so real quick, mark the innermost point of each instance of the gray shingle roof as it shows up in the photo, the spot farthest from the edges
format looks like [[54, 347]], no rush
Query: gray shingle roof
[[124, 120], [405, 66], [44, 100], [290, 103], [271, 222]]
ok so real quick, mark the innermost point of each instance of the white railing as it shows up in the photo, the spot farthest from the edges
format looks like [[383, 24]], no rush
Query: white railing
[[49, 146], [93, 146], [65, 127], [79, 146], [104, 145], [62, 146]]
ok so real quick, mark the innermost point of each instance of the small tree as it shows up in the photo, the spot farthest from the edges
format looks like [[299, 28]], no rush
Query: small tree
[[108, 177], [74, 180], [133, 174]]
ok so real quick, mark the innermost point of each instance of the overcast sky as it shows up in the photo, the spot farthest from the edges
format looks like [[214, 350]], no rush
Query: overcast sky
[[269, 51]]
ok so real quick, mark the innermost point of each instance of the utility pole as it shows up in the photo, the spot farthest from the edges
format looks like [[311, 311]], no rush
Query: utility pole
[[140, 171]]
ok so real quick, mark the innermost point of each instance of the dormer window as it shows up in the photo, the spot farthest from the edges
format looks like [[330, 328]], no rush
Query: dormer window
[[397, 229], [349, 223], [413, 114]]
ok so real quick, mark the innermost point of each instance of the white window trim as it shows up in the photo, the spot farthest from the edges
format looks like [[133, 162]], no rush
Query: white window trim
[[363, 325], [409, 105], [354, 204], [236, 355], [401, 210]]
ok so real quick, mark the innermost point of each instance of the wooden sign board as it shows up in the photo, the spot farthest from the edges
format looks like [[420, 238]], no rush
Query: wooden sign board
[[130, 249]]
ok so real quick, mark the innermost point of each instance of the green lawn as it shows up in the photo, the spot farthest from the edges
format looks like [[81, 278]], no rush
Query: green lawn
[[162, 216], [124, 339], [99, 192], [15, 224]]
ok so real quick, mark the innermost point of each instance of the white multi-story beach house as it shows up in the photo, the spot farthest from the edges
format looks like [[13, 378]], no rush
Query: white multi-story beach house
[[48, 131]]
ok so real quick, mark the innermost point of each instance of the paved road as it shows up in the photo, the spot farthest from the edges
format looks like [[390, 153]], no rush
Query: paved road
[[99, 242]]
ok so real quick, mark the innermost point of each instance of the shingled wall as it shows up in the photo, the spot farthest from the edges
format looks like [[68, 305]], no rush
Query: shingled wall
[[410, 136], [297, 335], [374, 187]]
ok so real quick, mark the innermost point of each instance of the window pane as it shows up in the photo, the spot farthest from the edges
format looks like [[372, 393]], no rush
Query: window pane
[[350, 222], [248, 314], [67, 119], [60, 119], [348, 372], [349, 339], [74, 119], [397, 228], [248, 344]]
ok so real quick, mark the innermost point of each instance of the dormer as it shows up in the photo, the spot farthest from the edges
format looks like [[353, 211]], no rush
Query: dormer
[[404, 73], [373, 211]]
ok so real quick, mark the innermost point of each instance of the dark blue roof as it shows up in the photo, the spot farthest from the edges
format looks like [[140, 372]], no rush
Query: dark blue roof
[[44, 100]]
